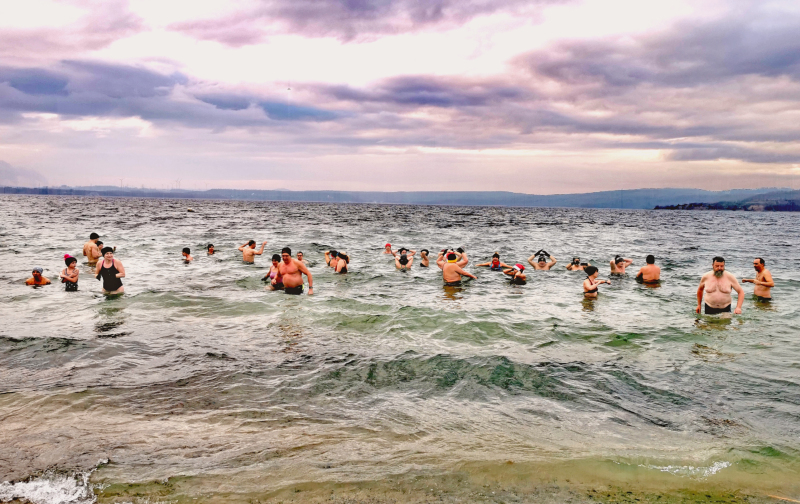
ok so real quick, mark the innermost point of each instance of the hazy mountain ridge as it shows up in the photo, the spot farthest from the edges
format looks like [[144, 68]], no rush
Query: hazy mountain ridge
[[629, 198], [775, 201]]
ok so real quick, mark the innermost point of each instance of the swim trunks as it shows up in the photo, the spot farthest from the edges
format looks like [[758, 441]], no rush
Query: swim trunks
[[761, 299], [278, 286], [293, 290], [515, 281], [457, 283], [714, 311]]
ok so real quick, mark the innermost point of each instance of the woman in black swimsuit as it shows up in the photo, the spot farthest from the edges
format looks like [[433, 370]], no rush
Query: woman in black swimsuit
[[517, 275], [344, 260], [591, 283], [110, 270]]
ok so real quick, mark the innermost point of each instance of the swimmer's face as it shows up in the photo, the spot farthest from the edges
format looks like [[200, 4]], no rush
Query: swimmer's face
[[274, 262], [594, 275], [299, 256], [109, 255], [388, 248], [37, 275], [210, 250], [719, 268], [542, 261], [286, 258], [495, 260], [757, 265]]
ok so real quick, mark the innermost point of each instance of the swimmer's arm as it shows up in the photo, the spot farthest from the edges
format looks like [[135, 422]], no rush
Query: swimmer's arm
[[261, 250], [328, 257], [97, 268], [553, 262], [628, 262], [464, 273], [462, 259], [241, 249], [340, 265], [640, 275], [767, 282], [530, 260], [483, 264], [700, 290], [411, 253], [504, 265], [70, 278], [120, 268], [739, 294], [509, 272]]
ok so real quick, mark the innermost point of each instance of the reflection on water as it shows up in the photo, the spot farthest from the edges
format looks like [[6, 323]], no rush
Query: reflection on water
[[198, 377]]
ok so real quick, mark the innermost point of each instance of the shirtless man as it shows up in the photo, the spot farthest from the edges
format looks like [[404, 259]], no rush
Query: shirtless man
[[619, 264], [541, 263], [90, 249], [292, 271], [650, 273], [763, 280], [577, 265], [301, 258], [495, 264], [451, 271], [187, 254], [249, 251], [37, 278], [717, 285]]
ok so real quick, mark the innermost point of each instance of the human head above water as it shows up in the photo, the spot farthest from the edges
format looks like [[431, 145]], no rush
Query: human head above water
[[451, 257], [107, 250], [496, 255], [576, 260], [762, 261], [252, 243], [276, 257], [334, 253], [210, 246], [719, 266], [94, 236], [286, 250], [590, 270], [650, 259], [618, 259], [186, 250], [68, 259], [37, 271], [424, 252]]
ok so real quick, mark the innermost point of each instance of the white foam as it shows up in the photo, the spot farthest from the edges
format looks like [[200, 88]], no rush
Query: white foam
[[50, 488], [691, 471]]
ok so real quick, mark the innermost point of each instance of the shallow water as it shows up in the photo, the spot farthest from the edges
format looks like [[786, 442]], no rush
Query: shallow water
[[197, 372]]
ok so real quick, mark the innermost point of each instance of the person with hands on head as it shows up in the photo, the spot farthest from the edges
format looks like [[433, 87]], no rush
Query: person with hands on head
[[451, 271], [292, 272], [249, 251], [541, 263], [618, 265], [424, 262], [403, 260], [577, 265], [717, 285], [591, 282], [763, 281], [331, 258]]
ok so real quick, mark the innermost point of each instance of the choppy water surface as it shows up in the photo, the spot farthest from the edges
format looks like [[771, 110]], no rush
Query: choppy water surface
[[197, 372]]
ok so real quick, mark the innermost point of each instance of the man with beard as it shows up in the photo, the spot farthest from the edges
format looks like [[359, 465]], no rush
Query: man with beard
[[716, 285], [763, 281], [292, 271]]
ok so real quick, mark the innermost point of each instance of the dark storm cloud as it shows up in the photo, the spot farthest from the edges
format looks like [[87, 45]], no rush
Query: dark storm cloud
[[345, 19], [34, 81], [714, 153], [225, 101], [686, 55]]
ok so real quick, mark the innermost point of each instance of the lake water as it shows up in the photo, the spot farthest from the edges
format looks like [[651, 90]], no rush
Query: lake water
[[198, 385]]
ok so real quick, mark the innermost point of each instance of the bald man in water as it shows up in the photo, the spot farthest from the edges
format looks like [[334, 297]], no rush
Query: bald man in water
[[716, 286]]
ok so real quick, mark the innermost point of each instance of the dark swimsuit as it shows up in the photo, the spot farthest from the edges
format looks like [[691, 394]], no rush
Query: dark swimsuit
[[69, 286], [110, 281], [714, 311], [343, 270], [453, 284], [592, 291], [518, 281], [294, 290]]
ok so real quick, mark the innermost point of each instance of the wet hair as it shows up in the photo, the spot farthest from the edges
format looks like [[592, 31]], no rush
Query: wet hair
[[94, 236], [186, 250], [650, 259], [286, 250], [424, 251], [276, 257], [590, 270], [403, 259], [618, 259], [251, 242], [106, 250], [718, 259], [451, 256], [497, 255], [99, 243], [403, 250], [763, 263], [460, 250], [69, 260], [210, 246], [334, 253], [345, 257]]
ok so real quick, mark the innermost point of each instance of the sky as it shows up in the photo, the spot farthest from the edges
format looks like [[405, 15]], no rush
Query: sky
[[538, 96]]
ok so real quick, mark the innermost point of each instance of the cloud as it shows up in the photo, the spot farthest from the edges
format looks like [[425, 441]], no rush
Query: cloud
[[20, 177], [347, 20]]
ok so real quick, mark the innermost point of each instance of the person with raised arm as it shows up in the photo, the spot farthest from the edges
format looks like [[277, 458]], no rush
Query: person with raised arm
[[249, 251], [618, 265], [495, 264], [542, 263], [451, 271]]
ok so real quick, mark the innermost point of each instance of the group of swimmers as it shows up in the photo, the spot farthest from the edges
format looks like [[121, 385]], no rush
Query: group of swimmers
[[286, 272]]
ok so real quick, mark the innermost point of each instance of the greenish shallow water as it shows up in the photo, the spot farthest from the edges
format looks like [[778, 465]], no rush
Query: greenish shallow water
[[199, 384]]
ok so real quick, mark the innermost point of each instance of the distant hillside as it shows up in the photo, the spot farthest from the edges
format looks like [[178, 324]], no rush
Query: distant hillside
[[776, 201], [633, 199]]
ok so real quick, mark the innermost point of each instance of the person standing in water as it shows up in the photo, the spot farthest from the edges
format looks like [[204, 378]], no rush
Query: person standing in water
[[300, 256], [649, 273], [541, 263], [69, 275], [110, 270], [619, 264], [341, 265], [424, 262], [495, 264], [90, 249], [717, 285], [36, 278], [763, 281], [187, 255], [292, 272], [249, 251], [591, 282], [274, 276], [451, 271], [331, 258]]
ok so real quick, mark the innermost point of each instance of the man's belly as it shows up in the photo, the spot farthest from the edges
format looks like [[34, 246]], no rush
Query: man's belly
[[762, 291], [718, 299]]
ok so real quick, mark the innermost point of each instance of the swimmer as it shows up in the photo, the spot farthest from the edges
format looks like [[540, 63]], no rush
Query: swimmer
[[451, 271], [387, 249], [274, 276], [464, 260], [424, 262], [541, 263], [292, 272], [650, 273], [577, 265], [69, 275], [249, 251], [187, 256], [717, 285], [495, 264], [516, 274], [37, 279], [591, 282], [341, 265], [210, 249], [91, 250], [763, 280], [300, 256], [331, 258], [619, 264], [110, 270], [403, 261]]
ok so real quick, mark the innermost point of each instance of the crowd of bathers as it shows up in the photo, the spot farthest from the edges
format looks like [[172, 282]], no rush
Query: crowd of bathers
[[287, 271]]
